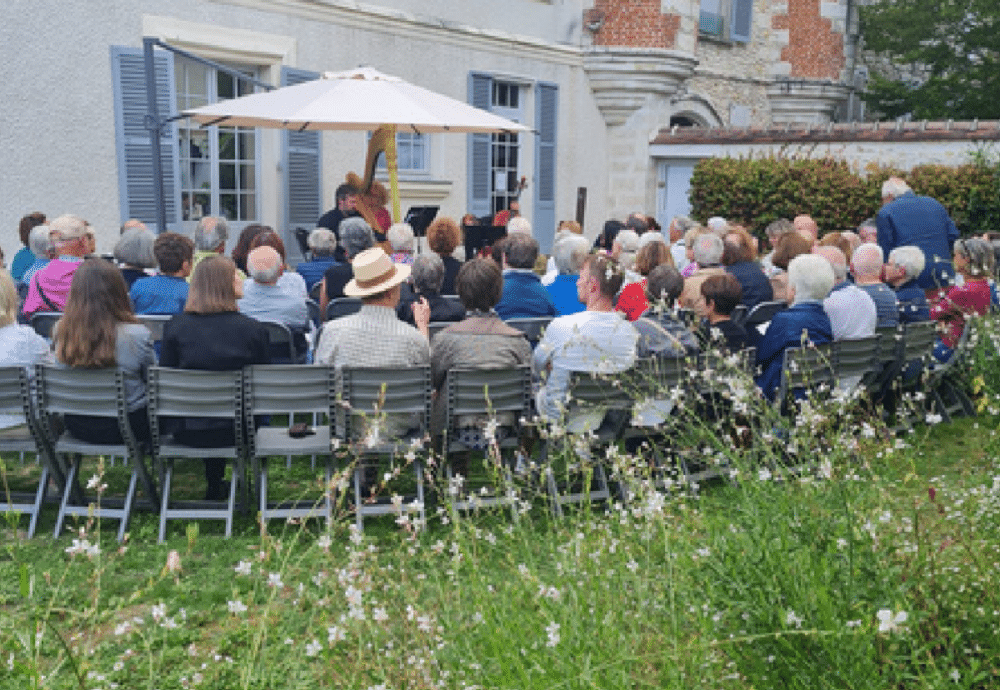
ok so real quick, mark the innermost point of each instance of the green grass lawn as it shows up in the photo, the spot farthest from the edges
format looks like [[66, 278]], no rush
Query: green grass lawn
[[882, 574]]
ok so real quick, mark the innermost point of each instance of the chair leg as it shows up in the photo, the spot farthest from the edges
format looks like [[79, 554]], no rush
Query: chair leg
[[358, 517], [167, 473], [127, 506], [40, 493], [419, 468], [262, 491], [70, 483]]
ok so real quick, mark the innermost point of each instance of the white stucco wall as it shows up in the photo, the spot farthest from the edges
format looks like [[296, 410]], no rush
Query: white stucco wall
[[57, 127]]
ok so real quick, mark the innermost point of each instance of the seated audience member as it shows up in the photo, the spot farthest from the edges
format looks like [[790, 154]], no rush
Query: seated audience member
[[810, 279], [25, 256], [904, 266], [789, 245], [807, 227], [679, 226], [290, 281], [567, 228], [519, 224], [355, 237], [866, 266], [401, 238], [524, 296], [265, 300], [134, 254], [244, 243], [50, 286], [707, 252], [740, 261], [210, 237], [624, 250], [868, 232], [469, 219], [718, 225], [973, 259], [90, 237], [852, 239], [720, 295], [837, 239], [20, 346], [444, 236], [480, 341], [99, 331], [41, 246], [773, 233], [166, 292], [852, 312], [569, 253], [632, 299], [606, 238], [661, 334], [211, 335], [375, 337], [322, 245], [637, 223], [425, 282], [689, 265], [598, 340]]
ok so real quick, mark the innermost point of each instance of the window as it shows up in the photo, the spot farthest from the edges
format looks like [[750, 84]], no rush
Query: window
[[729, 20], [218, 165], [505, 148], [411, 153]]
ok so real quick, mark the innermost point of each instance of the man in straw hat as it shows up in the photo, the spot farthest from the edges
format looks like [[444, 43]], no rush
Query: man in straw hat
[[374, 337]]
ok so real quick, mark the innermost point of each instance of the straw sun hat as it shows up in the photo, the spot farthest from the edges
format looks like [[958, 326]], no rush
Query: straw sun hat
[[374, 272]]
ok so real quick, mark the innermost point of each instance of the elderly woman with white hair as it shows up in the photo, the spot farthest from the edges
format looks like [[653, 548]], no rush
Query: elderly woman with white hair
[[973, 260], [810, 279], [624, 250], [322, 246], [400, 236], [569, 254], [134, 254], [40, 244], [903, 267]]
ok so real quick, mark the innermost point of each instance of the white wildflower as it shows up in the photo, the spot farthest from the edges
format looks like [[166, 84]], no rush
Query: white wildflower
[[792, 619], [244, 568], [313, 648], [889, 622], [552, 630], [237, 606]]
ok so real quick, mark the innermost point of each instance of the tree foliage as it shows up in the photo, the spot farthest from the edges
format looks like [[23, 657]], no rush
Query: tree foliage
[[955, 47]]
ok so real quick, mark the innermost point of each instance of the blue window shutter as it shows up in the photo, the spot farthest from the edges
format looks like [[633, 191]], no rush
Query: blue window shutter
[[543, 217], [741, 21], [135, 168], [303, 162], [480, 95]]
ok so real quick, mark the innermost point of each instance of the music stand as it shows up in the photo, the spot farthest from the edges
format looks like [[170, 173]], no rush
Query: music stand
[[419, 218], [479, 236]]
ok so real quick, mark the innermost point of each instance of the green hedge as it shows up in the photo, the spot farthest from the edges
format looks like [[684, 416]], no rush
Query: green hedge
[[758, 191]]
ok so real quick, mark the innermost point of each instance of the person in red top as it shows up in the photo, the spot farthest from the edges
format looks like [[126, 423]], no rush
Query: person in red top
[[973, 259], [632, 299]]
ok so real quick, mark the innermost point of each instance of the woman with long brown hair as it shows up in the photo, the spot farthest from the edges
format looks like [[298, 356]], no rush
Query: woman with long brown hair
[[98, 331], [211, 335]]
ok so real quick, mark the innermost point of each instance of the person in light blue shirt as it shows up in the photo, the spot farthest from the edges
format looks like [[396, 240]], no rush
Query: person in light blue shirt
[[166, 292], [569, 254], [523, 296]]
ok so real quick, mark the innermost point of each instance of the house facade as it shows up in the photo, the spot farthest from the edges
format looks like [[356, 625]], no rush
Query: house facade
[[596, 80]]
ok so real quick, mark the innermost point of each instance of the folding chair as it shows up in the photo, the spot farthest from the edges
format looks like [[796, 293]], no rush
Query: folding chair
[[43, 321], [276, 389], [739, 314], [181, 393], [763, 312], [435, 327], [532, 327], [597, 395], [155, 324], [372, 395], [855, 361], [803, 371], [342, 306], [483, 393], [282, 339], [944, 385], [16, 400], [887, 361], [95, 393], [916, 348]]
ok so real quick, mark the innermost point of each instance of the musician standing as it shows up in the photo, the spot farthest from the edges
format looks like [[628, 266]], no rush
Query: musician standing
[[346, 199]]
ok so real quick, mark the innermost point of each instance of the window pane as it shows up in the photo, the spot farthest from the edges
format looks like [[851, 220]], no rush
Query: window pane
[[227, 144], [226, 89], [248, 207], [227, 206], [248, 147], [248, 177], [227, 176]]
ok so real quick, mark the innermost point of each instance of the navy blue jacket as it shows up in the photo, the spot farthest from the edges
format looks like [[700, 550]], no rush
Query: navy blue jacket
[[912, 303], [524, 297], [785, 331], [756, 287], [923, 222]]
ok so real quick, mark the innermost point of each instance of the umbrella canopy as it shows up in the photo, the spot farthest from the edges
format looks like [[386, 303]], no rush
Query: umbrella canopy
[[359, 99]]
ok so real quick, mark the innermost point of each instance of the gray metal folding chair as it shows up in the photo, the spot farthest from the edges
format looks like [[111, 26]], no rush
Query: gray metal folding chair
[[342, 306], [16, 400], [944, 385], [181, 393], [483, 394], [95, 393], [43, 321], [855, 361], [280, 389], [370, 396], [155, 324], [916, 353], [533, 327], [282, 342]]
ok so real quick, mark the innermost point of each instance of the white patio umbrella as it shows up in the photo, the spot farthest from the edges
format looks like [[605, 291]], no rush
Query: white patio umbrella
[[360, 99]]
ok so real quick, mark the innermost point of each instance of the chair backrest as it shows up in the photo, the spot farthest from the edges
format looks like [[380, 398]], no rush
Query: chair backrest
[[43, 321], [532, 327], [488, 391], [282, 342], [302, 237], [435, 327], [312, 306], [155, 324], [342, 306], [197, 394], [395, 391], [763, 312], [605, 391], [857, 359], [90, 392], [281, 388], [14, 398], [806, 368], [918, 341], [739, 314]]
